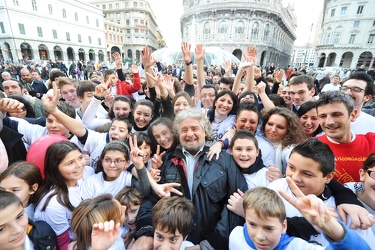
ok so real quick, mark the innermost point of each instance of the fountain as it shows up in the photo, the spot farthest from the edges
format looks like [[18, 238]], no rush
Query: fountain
[[213, 56]]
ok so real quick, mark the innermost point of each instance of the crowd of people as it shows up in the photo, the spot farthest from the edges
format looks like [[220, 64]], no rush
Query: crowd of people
[[161, 156]]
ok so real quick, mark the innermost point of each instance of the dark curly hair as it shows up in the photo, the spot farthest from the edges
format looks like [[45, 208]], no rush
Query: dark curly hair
[[294, 133]]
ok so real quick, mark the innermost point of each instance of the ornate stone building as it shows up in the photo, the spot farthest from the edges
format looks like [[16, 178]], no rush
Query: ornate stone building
[[233, 25], [347, 37], [137, 20]]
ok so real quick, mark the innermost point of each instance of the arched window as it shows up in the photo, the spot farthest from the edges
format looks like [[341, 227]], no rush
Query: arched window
[[206, 31], [64, 13], [266, 32], [337, 34], [255, 31], [327, 36], [239, 31], [50, 9], [223, 27]]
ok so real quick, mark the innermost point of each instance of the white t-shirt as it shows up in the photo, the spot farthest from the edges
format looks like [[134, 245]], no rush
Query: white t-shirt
[[96, 185], [291, 211], [257, 179], [219, 129], [57, 215], [363, 124], [330, 87], [267, 150], [28, 244], [94, 145]]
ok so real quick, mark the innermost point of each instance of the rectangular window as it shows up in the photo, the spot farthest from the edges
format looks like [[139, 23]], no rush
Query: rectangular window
[[356, 24], [373, 24], [87, 20], [352, 39], [333, 12], [371, 38], [22, 29], [15, 2], [97, 22], [40, 31], [117, 5], [79, 38], [360, 9], [110, 6], [67, 36], [127, 22], [33, 3], [99, 41], [54, 32], [103, 6], [2, 27], [343, 10], [90, 41]]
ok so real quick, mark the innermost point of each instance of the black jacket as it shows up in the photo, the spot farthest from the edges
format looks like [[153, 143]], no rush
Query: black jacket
[[214, 182]]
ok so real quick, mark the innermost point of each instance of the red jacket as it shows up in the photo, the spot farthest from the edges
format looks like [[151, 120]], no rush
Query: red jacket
[[125, 88]]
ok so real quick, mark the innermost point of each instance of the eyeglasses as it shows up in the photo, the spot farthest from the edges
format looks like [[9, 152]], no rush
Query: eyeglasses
[[117, 162], [353, 89], [371, 174]]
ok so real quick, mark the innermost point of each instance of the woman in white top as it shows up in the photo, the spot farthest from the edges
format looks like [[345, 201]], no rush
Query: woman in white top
[[60, 192], [223, 113], [282, 128], [110, 176]]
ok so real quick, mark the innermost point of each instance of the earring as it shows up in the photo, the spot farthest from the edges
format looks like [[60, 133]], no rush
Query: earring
[[358, 186]]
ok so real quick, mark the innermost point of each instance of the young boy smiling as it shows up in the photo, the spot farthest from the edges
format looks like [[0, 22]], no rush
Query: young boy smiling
[[311, 166], [266, 225]]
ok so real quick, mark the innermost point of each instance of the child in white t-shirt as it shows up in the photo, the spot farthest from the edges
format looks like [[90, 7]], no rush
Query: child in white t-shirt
[[110, 176]]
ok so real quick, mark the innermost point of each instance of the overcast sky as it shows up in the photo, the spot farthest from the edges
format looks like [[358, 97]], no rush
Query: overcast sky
[[168, 15]]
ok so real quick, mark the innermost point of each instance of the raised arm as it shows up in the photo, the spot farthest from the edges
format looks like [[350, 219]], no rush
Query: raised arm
[[186, 57], [148, 61], [50, 102], [199, 55]]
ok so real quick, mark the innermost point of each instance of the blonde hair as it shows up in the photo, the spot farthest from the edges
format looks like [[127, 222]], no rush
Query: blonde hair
[[91, 211], [265, 202]]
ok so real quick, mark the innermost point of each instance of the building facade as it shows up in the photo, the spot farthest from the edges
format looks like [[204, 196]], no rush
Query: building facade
[[138, 22], [303, 55], [347, 37], [62, 30], [234, 25]]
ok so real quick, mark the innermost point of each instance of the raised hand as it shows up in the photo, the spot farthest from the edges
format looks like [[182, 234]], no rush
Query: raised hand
[[101, 90], [134, 69], [136, 155], [311, 207], [117, 58], [279, 75], [157, 158], [104, 235], [147, 58], [251, 54], [186, 52], [199, 52], [257, 72], [50, 100]]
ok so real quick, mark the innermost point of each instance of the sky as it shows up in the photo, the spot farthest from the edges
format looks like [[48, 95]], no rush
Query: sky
[[168, 15]]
